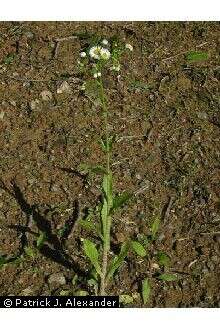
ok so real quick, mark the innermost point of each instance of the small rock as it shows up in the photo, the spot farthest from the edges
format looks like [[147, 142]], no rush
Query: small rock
[[64, 88], [138, 176], [35, 104], [29, 35], [27, 292], [46, 95], [202, 115], [2, 113], [57, 278]]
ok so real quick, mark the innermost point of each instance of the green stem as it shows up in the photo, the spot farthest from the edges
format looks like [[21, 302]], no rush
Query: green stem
[[106, 243]]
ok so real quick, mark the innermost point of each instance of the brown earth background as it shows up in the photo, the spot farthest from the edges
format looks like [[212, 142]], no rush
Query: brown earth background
[[165, 111]]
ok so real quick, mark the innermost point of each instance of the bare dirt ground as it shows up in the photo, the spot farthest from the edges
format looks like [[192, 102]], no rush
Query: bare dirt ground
[[169, 108]]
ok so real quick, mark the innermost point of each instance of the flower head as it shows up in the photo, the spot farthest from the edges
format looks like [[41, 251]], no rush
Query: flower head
[[95, 52], [129, 46], [105, 42], [116, 67], [98, 52], [105, 54], [83, 54], [97, 74]]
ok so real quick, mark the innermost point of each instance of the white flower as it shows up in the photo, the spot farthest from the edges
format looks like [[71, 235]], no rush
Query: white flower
[[116, 67], [83, 87], [105, 54], [95, 52], [97, 74], [105, 42], [83, 54], [129, 46]]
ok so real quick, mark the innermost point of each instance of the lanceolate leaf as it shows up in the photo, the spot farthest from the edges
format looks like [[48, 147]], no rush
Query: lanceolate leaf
[[146, 289], [120, 200], [107, 188], [92, 253], [196, 56], [118, 260], [163, 259], [138, 248], [104, 216], [168, 277], [155, 226], [41, 239], [90, 226]]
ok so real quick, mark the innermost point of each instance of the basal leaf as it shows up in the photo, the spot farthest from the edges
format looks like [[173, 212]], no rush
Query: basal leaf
[[168, 277], [146, 289], [155, 227], [118, 260], [41, 239], [196, 56], [138, 248], [126, 299], [163, 259], [92, 253]]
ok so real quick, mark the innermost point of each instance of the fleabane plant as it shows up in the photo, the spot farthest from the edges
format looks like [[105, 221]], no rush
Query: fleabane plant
[[95, 62]]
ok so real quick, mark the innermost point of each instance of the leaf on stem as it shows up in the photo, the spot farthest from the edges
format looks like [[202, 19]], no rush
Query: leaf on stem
[[107, 188], [146, 289], [120, 200], [92, 253], [90, 226], [118, 260], [138, 248]]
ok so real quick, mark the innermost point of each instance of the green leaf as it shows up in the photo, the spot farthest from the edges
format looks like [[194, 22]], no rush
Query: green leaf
[[146, 289], [107, 188], [98, 169], [9, 58], [107, 144], [138, 248], [196, 56], [120, 200], [41, 239], [126, 299], [118, 260], [163, 259], [168, 277], [90, 226], [81, 293], [155, 227], [3, 261], [92, 253], [104, 216], [29, 252]]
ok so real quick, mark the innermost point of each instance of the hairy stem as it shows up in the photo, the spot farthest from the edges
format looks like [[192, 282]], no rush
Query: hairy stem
[[106, 243]]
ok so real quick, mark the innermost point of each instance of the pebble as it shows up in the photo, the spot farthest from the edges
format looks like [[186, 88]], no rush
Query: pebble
[[29, 35], [46, 95], [27, 292], [202, 115], [35, 104], [64, 88], [57, 278], [2, 113]]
